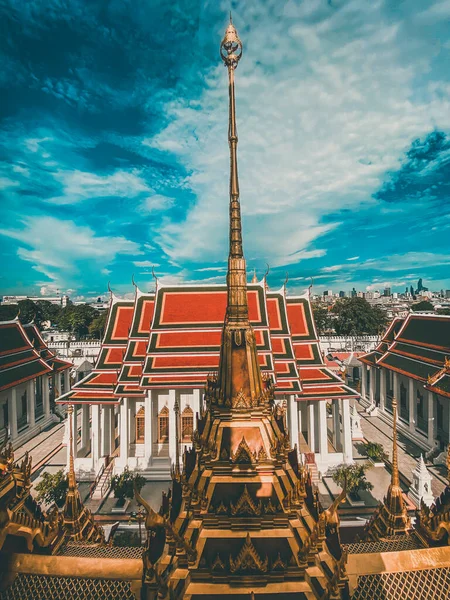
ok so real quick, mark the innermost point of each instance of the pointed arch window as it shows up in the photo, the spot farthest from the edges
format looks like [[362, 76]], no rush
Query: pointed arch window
[[140, 426], [187, 424], [163, 425]]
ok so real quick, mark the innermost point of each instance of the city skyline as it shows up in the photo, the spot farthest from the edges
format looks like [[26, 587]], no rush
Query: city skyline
[[111, 163]]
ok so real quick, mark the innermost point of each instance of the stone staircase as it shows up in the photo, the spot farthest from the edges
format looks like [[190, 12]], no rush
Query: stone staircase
[[312, 467], [103, 483]]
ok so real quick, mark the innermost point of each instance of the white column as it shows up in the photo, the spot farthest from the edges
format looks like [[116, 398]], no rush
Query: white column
[[196, 402], [75, 430], [95, 436], [148, 421], [112, 429], [85, 426], [124, 431], [172, 427], [336, 425], [412, 411], [323, 437], [363, 381], [430, 419], [12, 412], [293, 420], [105, 430], [372, 383], [382, 389], [311, 427], [31, 405], [66, 380], [395, 388], [46, 395], [346, 431]]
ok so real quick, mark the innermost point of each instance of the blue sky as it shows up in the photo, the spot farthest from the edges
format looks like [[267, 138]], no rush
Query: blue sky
[[114, 154]]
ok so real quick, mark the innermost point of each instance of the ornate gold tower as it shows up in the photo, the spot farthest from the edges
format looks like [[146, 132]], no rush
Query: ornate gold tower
[[78, 520], [242, 517], [391, 517]]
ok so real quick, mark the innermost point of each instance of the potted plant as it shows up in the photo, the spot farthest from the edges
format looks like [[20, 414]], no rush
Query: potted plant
[[123, 487], [375, 452], [53, 488], [356, 480]]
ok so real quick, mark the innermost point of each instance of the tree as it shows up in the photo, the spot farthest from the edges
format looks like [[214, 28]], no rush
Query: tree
[[423, 306], [53, 487], [76, 318], [375, 451], [49, 311], [30, 311], [123, 484], [97, 327], [355, 475], [322, 318], [355, 316], [8, 312]]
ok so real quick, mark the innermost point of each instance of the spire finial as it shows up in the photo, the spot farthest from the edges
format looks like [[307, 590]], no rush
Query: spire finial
[[231, 19], [395, 480], [72, 481], [255, 278]]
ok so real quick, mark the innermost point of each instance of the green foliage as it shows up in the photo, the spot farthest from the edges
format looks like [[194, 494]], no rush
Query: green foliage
[[355, 475], [123, 484], [322, 318], [76, 318], [444, 311], [49, 311], [52, 487], [8, 312], [97, 327], [422, 306], [355, 316], [375, 451]]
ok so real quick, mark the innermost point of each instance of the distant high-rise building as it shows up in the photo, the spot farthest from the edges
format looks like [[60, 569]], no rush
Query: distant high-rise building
[[353, 293], [341, 294], [387, 291], [420, 287], [447, 293], [411, 290]]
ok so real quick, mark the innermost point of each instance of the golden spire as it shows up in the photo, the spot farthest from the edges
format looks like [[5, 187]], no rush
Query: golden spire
[[391, 517], [78, 521], [237, 310], [239, 382], [71, 476], [254, 278], [395, 480]]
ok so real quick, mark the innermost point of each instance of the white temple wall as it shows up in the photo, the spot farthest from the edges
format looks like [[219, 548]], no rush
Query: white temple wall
[[309, 424]]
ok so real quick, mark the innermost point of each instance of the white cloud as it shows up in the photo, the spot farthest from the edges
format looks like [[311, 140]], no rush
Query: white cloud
[[145, 263], [156, 203], [321, 118], [106, 271], [80, 185], [353, 258], [56, 246]]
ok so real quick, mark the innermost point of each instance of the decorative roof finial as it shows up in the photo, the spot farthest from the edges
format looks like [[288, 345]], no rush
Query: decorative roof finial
[[395, 480], [71, 478], [254, 278]]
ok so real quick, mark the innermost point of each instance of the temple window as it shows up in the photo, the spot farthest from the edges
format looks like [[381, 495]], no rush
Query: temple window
[[187, 424], [163, 425], [140, 426]]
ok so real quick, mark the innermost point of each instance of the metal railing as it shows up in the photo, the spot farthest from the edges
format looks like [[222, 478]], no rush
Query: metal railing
[[108, 477]]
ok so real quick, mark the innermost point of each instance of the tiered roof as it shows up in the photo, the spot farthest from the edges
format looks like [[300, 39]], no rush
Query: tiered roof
[[24, 354], [171, 339], [98, 387], [318, 382], [417, 347]]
